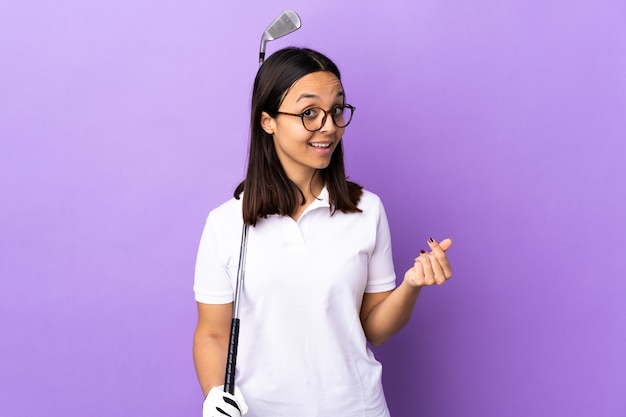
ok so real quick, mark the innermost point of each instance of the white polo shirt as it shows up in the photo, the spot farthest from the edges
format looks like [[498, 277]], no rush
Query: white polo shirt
[[302, 349]]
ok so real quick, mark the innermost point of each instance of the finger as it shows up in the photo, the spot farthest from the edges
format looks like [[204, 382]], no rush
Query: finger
[[429, 275], [438, 274], [444, 245], [439, 251], [415, 274]]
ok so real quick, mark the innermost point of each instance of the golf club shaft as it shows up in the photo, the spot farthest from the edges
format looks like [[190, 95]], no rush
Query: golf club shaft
[[233, 342]]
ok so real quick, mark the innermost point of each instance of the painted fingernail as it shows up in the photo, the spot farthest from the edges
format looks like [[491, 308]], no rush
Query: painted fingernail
[[431, 240], [422, 251]]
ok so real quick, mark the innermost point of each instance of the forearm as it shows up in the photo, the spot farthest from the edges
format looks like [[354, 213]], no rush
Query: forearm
[[209, 355], [391, 315]]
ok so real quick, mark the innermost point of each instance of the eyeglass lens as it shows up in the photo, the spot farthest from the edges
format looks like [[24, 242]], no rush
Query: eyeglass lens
[[315, 118]]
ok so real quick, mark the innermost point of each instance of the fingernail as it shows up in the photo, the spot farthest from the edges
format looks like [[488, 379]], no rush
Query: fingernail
[[422, 251], [431, 240]]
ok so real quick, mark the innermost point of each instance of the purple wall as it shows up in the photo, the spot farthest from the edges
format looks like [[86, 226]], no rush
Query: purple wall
[[500, 124]]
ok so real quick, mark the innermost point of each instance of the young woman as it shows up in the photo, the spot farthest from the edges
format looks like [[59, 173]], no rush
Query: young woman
[[320, 282]]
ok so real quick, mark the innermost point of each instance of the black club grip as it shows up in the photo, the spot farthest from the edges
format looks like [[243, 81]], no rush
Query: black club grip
[[231, 359]]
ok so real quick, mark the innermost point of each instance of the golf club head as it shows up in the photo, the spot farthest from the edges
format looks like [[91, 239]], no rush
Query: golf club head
[[287, 22]]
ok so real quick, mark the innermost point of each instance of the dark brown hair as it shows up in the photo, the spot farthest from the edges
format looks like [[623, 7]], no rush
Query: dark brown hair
[[267, 189]]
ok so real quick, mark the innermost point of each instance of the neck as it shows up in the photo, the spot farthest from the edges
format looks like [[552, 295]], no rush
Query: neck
[[310, 185]]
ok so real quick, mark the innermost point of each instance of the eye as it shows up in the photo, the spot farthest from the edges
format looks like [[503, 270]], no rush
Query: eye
[[311, 113], [338, 111]]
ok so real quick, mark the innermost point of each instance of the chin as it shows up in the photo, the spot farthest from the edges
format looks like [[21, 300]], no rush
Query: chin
[[323, 166]]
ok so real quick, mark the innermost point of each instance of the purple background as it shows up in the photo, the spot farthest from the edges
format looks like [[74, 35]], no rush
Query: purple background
[[498, 123]]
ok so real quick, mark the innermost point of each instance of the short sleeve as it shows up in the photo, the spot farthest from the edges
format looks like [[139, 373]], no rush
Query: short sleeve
[[381, 274], [212, 283]]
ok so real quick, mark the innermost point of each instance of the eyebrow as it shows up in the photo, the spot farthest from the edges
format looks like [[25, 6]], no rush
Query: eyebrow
[[307, 95]]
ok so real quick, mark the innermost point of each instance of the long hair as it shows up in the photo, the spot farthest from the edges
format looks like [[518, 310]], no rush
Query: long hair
[[266, 188]]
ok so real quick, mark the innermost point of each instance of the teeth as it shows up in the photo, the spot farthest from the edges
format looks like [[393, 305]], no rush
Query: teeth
[[320, 145]]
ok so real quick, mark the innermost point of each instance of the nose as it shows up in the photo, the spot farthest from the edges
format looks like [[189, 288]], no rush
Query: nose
[[328, 125]]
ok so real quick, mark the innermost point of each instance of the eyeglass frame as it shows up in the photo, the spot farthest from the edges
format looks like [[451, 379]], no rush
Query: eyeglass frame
[[326, 112]]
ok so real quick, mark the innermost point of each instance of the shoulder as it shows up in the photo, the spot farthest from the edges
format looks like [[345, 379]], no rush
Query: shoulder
[[227, 214], [370, 201]]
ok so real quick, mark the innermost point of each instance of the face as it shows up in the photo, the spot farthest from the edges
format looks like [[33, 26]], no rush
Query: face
[[300, 151]]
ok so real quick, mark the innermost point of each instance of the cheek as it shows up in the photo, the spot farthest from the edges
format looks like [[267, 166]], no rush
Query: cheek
[[288, 136]]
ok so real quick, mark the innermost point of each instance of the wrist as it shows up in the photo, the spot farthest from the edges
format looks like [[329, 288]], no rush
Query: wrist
[[411, 286]]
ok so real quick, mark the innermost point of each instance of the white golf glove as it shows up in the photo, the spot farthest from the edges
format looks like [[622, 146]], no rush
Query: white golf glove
[[222, 404]]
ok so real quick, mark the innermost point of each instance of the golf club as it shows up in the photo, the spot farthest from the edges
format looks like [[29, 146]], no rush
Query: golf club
[[287, 22]]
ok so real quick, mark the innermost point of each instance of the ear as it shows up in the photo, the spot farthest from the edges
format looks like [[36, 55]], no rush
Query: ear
[[268, 123]]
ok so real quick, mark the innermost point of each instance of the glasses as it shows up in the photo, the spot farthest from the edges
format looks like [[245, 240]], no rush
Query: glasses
[[314, 119]]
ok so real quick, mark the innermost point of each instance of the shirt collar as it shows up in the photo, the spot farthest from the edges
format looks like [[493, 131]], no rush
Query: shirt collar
[[321, 201]]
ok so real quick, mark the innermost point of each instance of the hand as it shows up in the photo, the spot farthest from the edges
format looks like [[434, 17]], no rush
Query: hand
[[430, 267], [222, 404]]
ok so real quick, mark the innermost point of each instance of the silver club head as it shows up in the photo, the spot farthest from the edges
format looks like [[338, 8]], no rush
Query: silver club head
[[287, 22]]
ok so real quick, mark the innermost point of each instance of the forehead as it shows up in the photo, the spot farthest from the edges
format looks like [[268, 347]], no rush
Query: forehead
[[320, 84]]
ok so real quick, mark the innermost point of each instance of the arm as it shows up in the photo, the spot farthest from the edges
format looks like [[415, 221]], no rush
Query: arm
[[210, 344], [384, 314]]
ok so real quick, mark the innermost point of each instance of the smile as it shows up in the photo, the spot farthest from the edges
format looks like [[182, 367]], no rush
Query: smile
[[320, 145]]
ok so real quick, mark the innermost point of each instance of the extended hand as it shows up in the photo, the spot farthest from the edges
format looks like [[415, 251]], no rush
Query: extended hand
[[430, 267]]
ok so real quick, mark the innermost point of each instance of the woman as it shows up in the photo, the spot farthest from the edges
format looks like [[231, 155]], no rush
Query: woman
[[319, 281]]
